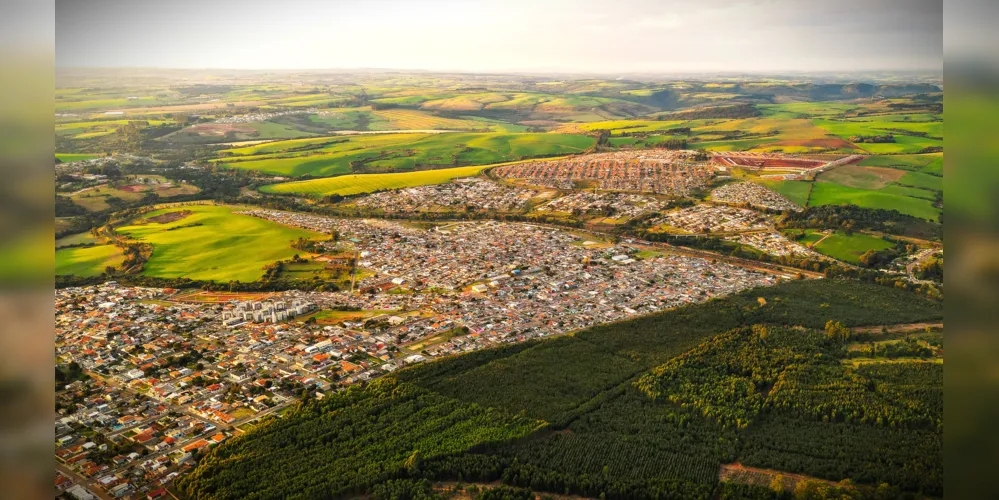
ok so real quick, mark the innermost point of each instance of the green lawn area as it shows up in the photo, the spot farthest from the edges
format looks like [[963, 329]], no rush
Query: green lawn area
[[796, 191], [87, 261], [399, 152], [368, 183], [850, 248], [213, 243], [71, 157], [906, 200], [840, 246]]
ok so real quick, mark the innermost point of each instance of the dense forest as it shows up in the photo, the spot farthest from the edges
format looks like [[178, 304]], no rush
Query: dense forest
[[645, 408]]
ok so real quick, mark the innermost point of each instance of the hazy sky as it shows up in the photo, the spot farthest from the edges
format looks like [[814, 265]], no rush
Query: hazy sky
[[594, 36]]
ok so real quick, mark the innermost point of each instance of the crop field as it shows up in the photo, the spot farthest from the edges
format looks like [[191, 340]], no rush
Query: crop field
[[903, 143], [889, 182], [789, 135], [863, 177], [87, 261], [209, 242], [409, 119], [231, 132], [618, 127], [927, 163], [400, 152], [841, 246], [368, 183]]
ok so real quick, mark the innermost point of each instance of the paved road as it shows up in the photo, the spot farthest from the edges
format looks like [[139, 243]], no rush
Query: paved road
[[87, 483]]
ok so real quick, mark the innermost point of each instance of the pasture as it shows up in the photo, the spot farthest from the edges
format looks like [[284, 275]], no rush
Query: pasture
[[86, 261], [931, 163], [399, 152], [71, 157], [209, 242], [905, 200], [839, 245], [796, 191], [889, 182], [903, 143], [130, 189], [345, 185]]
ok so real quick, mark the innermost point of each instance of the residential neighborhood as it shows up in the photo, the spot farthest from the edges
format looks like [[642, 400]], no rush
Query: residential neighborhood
[[156, 377]]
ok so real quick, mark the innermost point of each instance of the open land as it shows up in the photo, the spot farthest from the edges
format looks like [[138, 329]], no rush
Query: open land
[[212, 243]]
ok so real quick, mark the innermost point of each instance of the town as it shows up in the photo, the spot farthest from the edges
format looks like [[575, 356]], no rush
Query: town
[[158, 375], [650, 171]]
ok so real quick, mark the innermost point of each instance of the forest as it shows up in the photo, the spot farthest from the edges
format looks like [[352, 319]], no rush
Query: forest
[[646, 408]]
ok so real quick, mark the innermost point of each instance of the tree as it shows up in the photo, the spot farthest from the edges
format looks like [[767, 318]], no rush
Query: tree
[[836, 331]]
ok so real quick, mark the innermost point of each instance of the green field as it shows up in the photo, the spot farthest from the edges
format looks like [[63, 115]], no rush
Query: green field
[[903, 143], [96, 199], [839, 245], [71, 157], [368, 183], [399, 152], [87, 261], [890, 198], [796, 191], [213, 243], [927, 163]]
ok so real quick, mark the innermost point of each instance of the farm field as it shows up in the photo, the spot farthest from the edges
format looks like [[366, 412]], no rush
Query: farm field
[[87, 261], [796, 191], [208, 242], [71, 157], [399, 152], [76, 239], [890, 198], [903, 143], [931, 163], [789, 135], [839, 245], [911, 192], [130, 189], [346, 185]]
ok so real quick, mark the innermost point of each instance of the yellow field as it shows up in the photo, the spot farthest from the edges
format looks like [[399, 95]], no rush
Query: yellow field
[[368, 183], [408, 119]]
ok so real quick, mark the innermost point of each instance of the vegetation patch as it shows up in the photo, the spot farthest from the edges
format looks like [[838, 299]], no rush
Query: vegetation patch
[[368, 183], [224, 246]]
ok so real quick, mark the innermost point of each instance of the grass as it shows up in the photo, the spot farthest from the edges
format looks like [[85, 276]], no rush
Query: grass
[[327, 317], [75, 239], [223, 246], [890, 198], [847, 248], [399, 152], [902, 144], [368, 183], [71, 157], [796, 191], [922, 181], [631, 126], [87, 261], [862, 177], [95, 199], [904, 162]]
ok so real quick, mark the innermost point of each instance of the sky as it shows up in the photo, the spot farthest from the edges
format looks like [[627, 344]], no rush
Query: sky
[[581, 36]]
